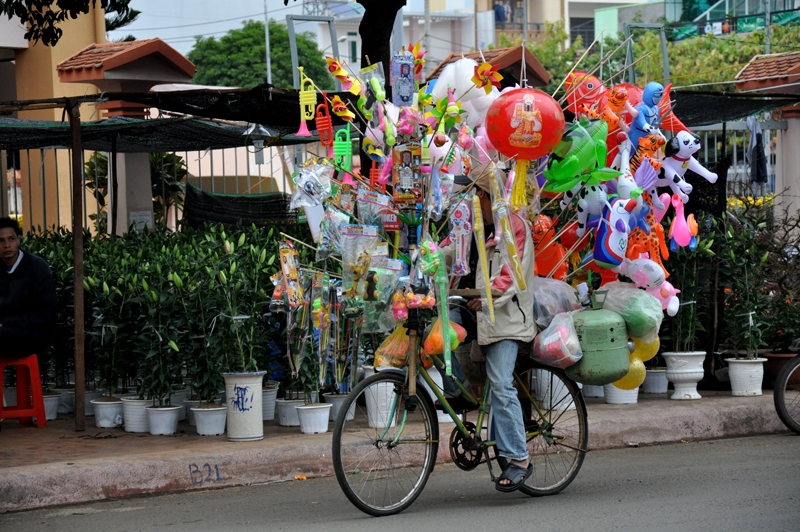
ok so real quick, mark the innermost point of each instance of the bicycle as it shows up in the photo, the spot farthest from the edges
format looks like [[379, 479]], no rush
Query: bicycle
[[787, 391], [386, 436]]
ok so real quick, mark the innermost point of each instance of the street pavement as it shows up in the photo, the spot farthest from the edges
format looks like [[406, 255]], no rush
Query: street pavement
[[731, 484], [59, 466]]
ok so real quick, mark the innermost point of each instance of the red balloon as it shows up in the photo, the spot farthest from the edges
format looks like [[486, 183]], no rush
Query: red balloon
[[569, 237], [526, 123]]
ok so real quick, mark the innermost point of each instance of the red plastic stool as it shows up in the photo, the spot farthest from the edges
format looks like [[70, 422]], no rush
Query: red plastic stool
[[29, 391]]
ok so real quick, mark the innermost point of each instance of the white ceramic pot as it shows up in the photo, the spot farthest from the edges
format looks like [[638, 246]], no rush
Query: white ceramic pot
[[314, 418], [655, 381], [380, 397], [591, 390], [67, 405], [188, 404], [51, 406], [746, 376], [336, 400], [618, 396], [163, 420], [210, 421], [243, 400], [88, 397], [178, 399], [287, 413], [684, 371], [436, 377], [559, 395], [268, 396], [134, 414], [107, 414]]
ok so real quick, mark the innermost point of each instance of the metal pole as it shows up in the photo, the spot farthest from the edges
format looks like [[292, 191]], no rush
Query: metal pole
[[28, 216], [114, 184], [767, 22], [43, 153], [524, 21], [426, 38], [266, 38], [58, 191], [3, 183], [73, 110]]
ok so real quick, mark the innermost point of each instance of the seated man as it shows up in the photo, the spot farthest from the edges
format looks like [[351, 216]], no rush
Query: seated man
[[28, 302]]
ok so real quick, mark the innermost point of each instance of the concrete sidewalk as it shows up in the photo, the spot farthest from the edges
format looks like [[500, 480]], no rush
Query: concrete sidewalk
[[56, 465]]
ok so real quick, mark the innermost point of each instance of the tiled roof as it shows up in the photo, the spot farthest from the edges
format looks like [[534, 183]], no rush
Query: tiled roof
[[95, 60], [94, 55], [770, 66]]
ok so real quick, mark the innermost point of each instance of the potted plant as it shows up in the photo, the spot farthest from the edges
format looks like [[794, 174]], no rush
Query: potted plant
[[161, 363], [203, 357], [238, 281], [744, 236], [312, 415], [685, 361]]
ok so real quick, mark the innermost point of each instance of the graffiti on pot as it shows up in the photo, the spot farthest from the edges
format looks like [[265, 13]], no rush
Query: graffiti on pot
[[241, 401], [204, 474]]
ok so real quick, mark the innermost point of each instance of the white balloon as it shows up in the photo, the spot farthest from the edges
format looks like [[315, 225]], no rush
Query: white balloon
[[462, 80], [445, 78]]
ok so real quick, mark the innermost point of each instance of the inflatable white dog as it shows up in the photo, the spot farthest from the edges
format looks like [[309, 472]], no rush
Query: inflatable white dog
[[679, 151]]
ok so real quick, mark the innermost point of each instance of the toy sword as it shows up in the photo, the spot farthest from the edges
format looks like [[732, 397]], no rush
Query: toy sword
[[481, 243]]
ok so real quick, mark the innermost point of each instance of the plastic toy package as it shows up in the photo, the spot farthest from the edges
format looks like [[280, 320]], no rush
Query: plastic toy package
[[393, 352], [358, 243], [289, 268], [505, 238], [279, 302], [402, 76], [461, 237], [558, 345], [641, 311], [371, 207], [374, 81], [331, 228], [312, 183], [550, 298], [381, 283], [434, 342]]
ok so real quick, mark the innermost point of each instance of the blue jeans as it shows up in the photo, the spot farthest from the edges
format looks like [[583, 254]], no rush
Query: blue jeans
[[507, 425]]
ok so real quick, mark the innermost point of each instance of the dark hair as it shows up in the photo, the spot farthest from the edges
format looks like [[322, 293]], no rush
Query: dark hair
[[12, 223]]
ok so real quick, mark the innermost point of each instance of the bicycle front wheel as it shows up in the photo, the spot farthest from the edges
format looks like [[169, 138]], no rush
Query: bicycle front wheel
[[558, 432], [383, 454], [787, 394]]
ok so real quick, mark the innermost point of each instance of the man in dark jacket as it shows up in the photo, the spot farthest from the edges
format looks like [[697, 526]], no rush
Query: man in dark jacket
[[28, 301]]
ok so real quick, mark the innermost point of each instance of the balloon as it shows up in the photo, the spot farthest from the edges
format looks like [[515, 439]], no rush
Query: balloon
[[445, 79], [483, 146], [526, 123], [644, 350], [635, 376], [583, 88], [611, 239], [548, 255], [463, 72], [569, 237]]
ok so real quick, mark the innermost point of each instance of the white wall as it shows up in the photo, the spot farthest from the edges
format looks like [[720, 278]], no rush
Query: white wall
[[787, 167], [12, 33]]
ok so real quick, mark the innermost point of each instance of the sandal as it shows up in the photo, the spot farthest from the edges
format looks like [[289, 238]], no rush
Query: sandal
[[516, 474]]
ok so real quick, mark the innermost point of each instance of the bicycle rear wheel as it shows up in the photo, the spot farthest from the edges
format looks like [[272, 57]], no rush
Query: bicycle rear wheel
[[560, 433], [787, 394], [383, 454]]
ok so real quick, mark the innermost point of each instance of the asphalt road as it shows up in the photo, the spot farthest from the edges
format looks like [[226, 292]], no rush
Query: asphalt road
[[723, 485]]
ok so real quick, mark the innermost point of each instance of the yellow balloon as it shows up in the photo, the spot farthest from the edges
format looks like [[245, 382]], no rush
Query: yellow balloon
[[645, 351], [635, 376]]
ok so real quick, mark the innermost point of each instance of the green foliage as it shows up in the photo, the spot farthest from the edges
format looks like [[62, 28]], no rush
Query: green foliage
[[123, 15], [744, 252], [685, 266], [154, 311], [238, 59]]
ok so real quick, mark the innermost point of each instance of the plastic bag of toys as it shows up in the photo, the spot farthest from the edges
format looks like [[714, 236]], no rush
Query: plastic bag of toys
[[550, 298], [371, 207], [393, 352], [558, 344], [312, 183], [641, 311], [434, 343], [331, 228]]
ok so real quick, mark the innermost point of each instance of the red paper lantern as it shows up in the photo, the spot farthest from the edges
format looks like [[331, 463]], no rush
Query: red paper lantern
[[526, 123]]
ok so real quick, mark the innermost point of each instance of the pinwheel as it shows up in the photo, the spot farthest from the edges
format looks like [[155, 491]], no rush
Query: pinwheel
[[340, 109], [486, 76]]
